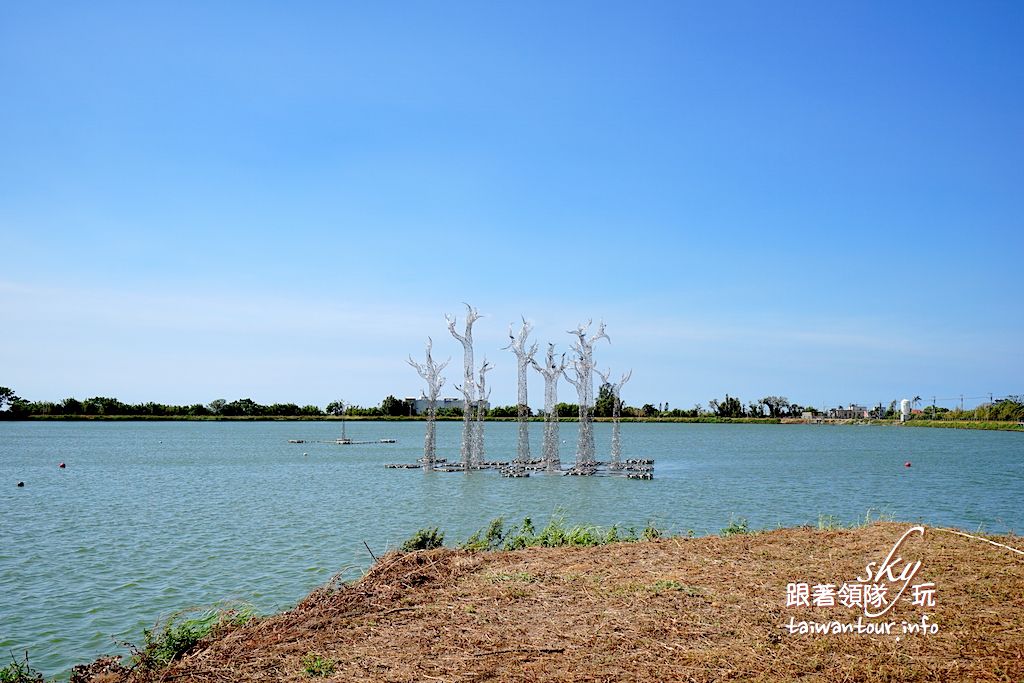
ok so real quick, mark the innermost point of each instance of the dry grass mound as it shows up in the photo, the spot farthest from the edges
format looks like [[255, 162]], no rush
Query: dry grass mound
[[704, 609]]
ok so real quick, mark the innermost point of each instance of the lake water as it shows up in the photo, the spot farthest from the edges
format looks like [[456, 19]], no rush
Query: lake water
[[150, 517]]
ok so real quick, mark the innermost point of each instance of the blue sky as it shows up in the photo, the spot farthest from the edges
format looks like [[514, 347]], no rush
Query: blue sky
[[281, 200]]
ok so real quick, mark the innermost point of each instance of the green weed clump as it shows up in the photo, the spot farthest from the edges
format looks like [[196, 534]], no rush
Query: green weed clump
[[517, 577], [180, 634], [667, 585], [737, 526], [873, 515], [833, 523], [829, 523], [316, 666], [554, 535], [424, 539], [487, 540], [20, 671]]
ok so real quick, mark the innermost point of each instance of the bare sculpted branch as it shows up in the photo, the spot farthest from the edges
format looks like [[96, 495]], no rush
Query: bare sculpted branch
[[431, 374], [551, 371], [583, 365], [578, 370], [481, 410], [467, 452], [615, 462], [524, 357]]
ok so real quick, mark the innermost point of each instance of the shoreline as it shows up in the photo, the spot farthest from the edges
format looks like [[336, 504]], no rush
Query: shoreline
[[991, 425], [676, 608]]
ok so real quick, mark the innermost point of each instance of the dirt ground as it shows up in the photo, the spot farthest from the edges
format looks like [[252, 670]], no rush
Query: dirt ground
[[703, 609]]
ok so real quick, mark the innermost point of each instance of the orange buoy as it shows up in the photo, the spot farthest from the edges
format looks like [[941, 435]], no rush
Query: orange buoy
[[61, 465], [906, 464]]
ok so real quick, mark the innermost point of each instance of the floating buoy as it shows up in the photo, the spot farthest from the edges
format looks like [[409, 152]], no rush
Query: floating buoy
[[21, 484], [305, 453], [61, 465], [906, 464]]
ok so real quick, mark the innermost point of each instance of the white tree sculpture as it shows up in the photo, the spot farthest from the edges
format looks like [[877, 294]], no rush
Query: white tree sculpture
[[551, 371], [431, 374], [616, 389], [468, 387], [481, 412], [583, 364], [524, 356]]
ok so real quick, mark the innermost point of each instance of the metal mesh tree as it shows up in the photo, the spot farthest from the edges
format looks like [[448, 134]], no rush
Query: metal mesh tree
[[481, 412], [524, 356], [616, 389], [468, 388], [583, 364], [552, 370], [431, 374]]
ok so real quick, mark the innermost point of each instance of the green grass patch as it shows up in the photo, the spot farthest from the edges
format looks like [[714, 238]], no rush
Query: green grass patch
[[703, 419], [833, 523], [316, 666], [424, 539], [20, 671], [737, 526], [829, 523], [182, 632], [1008, 425], [555, 534], [667, 585]]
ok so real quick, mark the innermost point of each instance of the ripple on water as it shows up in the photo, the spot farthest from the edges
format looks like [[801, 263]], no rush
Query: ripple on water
[[153, 518]]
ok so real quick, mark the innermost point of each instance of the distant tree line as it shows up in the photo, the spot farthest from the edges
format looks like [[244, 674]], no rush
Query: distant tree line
[[13, 406], [768, 406], [102, 405], [1010, 408]]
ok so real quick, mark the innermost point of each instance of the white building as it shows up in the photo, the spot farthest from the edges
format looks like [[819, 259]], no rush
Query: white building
[[419, 405], [853, 412]]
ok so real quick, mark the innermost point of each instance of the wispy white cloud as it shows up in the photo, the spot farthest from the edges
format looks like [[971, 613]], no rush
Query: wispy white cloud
[[195, 345], [216, 312]]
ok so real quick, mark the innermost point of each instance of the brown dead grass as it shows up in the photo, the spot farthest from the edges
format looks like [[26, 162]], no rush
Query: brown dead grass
[[705, 609]]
